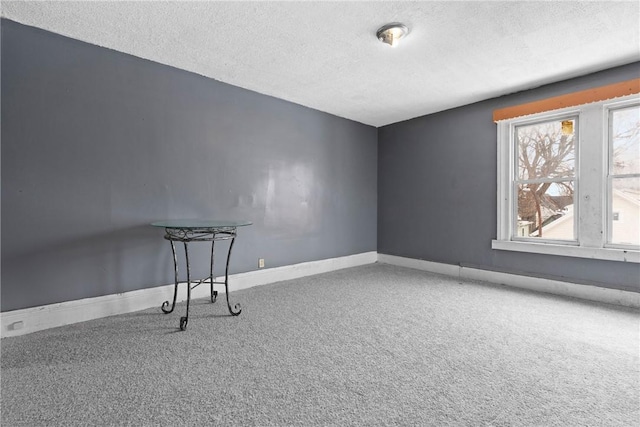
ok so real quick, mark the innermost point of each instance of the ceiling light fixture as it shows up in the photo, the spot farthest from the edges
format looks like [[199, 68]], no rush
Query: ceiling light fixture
[[392, 33]]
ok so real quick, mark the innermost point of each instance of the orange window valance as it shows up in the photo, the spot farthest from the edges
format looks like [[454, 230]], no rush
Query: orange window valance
[[601, 93]]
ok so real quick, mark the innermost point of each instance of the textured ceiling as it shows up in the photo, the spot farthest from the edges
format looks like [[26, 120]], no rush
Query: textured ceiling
[[324, 55]]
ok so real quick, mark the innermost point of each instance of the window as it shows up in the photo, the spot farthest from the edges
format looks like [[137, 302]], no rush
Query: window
[[544, 180], [624, 176], [569, 181]]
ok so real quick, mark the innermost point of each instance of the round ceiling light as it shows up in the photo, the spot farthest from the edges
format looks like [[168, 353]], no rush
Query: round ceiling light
[[391, 33]]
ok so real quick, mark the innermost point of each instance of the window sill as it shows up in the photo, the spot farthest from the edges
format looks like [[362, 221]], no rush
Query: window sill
[[609, 254]]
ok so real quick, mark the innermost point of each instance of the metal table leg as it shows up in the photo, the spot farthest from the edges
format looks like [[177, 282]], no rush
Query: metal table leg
[[186, 236], [185, 319], [175, 289], [214, 294], [226, 283]]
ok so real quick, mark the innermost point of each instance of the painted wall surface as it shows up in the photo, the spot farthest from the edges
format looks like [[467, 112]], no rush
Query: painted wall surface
[[437, 179], [97, 144]]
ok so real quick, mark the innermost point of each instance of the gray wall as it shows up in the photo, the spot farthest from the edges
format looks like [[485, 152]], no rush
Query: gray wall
[[97, 144], [437, 191]]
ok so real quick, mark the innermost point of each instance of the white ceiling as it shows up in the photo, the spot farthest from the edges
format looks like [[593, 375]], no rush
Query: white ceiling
[[325, 55]]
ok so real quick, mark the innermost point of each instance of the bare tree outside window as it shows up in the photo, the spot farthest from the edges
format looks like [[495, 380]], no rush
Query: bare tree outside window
[[569, 181], [545, 179]]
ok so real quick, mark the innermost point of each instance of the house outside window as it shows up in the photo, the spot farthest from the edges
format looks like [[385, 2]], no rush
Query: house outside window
[[569, 181], [624, 176]]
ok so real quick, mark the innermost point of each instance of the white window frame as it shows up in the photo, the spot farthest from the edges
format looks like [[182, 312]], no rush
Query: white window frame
[[591, 185], [609, 178], [513, 175]]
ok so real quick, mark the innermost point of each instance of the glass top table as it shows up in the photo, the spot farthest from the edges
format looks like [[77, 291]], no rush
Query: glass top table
[[199, 223], [199, 230]]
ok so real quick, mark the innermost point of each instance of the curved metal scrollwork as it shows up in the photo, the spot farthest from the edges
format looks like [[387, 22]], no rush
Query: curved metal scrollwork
[[226, 283], [175, 289], [187, 235], [199, 234], [164, 305], [236, 307]]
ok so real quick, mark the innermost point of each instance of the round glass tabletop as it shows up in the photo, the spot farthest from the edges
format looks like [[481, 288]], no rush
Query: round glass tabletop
[[199, 223]]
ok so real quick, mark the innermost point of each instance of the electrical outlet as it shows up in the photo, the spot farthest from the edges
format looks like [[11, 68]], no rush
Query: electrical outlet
[[260, 262]]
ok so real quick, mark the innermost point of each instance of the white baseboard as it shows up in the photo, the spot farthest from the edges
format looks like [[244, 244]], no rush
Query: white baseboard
[[289, 272], [25, 321], [588, 292], [28, 320]]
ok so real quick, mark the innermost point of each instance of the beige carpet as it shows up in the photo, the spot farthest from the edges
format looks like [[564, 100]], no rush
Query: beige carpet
[[373, 345]]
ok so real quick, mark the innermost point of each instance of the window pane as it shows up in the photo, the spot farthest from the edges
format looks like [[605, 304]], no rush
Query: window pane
[[625, 211], [545, 210], [625, 130], [546, 150]]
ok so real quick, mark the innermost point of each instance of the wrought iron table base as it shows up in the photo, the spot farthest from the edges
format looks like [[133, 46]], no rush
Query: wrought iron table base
[[187, 235]]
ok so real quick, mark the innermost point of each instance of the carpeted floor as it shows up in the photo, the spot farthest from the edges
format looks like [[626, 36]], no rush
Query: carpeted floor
[[372, 345]]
